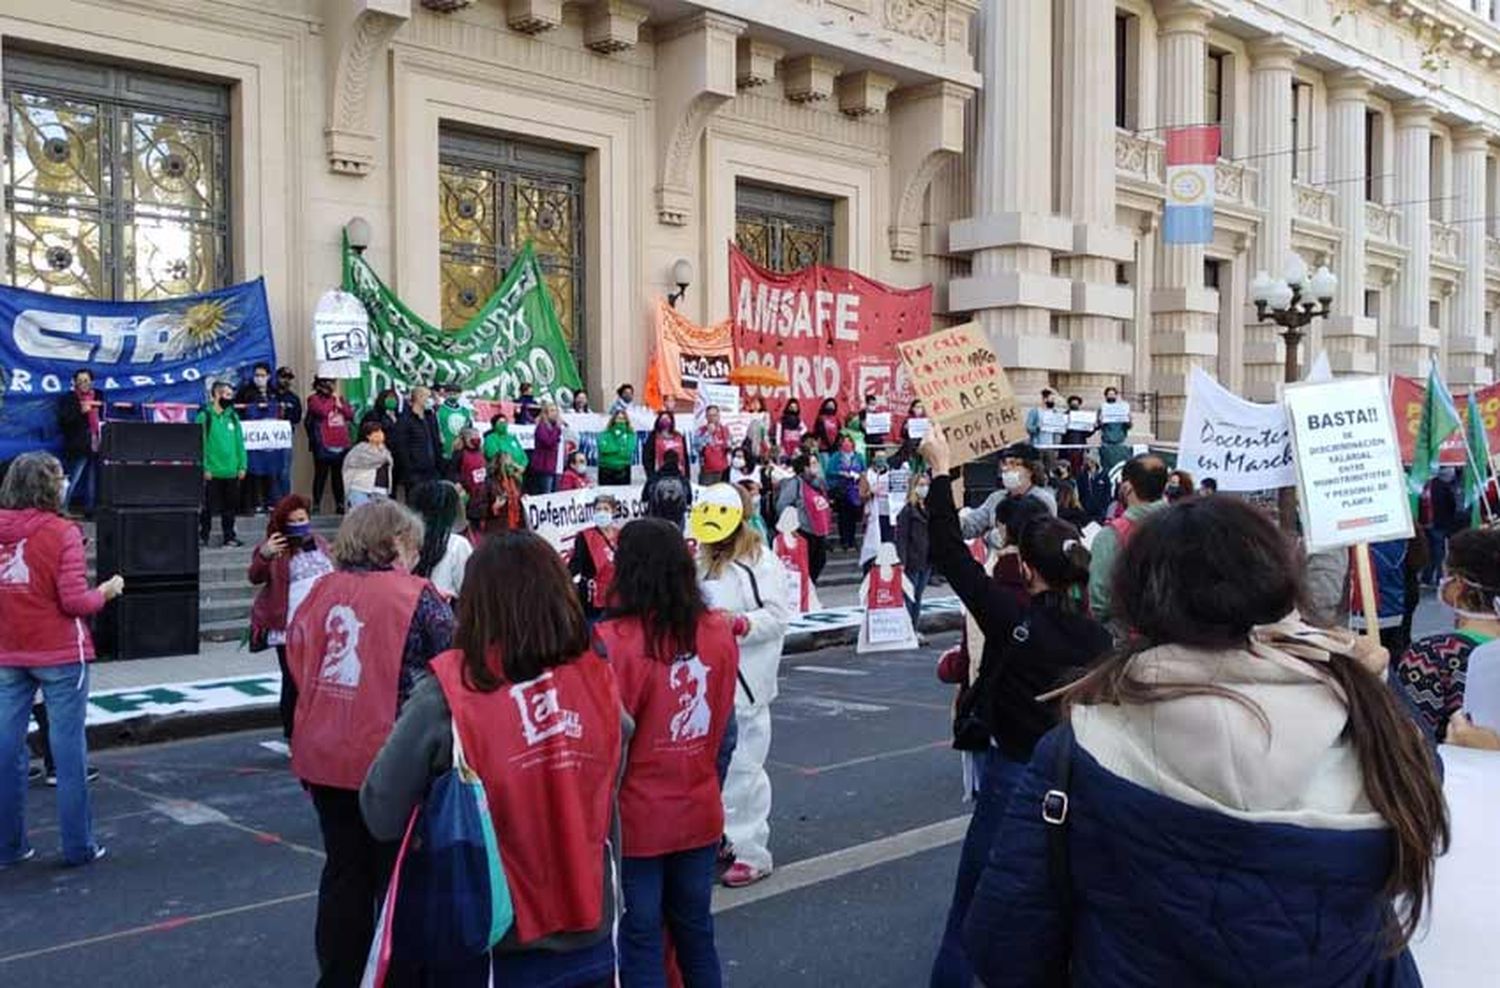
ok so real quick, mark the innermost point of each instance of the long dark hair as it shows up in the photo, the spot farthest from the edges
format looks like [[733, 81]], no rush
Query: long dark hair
[[437, 502], [519, 614], [657, 582], [1054, 549], [1202, 574]]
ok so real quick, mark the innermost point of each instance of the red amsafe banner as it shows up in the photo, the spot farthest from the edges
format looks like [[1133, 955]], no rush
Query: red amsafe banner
[[1407, 395], [832, 332]]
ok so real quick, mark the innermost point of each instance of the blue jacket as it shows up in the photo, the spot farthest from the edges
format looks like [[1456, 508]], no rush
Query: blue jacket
[[1164, 893]]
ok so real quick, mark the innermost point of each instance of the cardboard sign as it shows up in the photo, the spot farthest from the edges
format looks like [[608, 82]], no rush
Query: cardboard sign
[[963, 386], [877, 423], [1118, 411], [725, 396], [1351, 486], [263, 434]]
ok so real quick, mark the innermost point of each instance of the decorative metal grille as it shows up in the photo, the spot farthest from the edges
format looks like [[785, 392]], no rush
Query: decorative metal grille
[[495, 193], [116, 182], [783, 231]]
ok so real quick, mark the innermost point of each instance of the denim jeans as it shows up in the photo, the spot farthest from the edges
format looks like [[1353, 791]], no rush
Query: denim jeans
[[676, 889], [919, 579], [82, 473], [65, 690], [951, 969]]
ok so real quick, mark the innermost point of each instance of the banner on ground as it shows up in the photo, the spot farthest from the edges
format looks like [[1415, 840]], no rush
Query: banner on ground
[[830, 331], [515, 338], [264, 434], [1350, 483], [960, 381], [685, 355], [139, 353], [1407, 397], [1242, 445]]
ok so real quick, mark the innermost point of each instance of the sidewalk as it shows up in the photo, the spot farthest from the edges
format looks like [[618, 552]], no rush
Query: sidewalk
[[224, 688]]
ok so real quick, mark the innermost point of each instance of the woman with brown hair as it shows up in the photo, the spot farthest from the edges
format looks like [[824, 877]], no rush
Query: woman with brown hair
[[539, 717], [1233, 798]]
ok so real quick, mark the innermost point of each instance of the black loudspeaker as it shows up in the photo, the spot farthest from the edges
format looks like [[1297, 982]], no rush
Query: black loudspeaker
[[148, 542], [150, 485], [152, 442], [149, 621]]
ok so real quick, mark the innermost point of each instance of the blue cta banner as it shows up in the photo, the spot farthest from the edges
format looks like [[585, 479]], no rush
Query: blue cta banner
[[140, 354]]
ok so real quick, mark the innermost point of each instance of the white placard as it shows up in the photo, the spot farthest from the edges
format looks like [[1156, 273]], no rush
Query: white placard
[[1052, 420], [888, 624], [1081, 421], [877, 423], [898, 482], [341, 334], [1111, 412], [264, 434], [738, 424], [525, 435], [1351, 486], [1242, 445], [725, 396], [917, 428]]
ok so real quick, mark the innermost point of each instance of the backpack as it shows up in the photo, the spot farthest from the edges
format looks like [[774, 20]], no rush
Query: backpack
[[669, 499]]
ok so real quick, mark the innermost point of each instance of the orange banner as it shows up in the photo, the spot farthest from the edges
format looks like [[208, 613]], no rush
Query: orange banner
[[684, 354], [1407, 395]]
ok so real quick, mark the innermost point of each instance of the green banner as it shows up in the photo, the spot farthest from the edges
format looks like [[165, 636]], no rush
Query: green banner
[[515, 338]]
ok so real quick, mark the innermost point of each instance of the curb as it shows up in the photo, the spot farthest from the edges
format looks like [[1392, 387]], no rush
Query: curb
[[156, 728]]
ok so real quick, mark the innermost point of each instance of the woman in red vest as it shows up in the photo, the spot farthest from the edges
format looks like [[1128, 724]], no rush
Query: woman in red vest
[[355, 646], [539, 715], [676, 663], [592, 565], [664, 439]]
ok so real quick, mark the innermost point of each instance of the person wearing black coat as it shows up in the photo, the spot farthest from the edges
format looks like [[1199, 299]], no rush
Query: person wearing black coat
[[1032, 645], [80, 413], [418, 449]]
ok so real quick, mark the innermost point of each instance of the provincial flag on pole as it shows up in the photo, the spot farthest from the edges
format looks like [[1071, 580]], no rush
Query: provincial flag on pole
[[1478, 474], [1440, 420], [1192, 154]]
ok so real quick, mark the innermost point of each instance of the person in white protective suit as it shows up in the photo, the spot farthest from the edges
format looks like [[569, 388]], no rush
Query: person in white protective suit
[[742, 576]]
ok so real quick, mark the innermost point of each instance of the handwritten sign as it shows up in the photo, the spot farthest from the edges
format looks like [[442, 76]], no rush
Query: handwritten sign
[[887, 625], [1242, 445], [1349, 477], [264, 434], [960, 381]]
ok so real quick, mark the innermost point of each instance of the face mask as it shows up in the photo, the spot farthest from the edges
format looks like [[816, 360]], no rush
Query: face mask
[[1051, 403], [1013, 480], [739, 464], [580, 468], [224, 402], [261, 380], [473, 442], [1443, 585], [1173, 491], [1111, 399], [501, 428], [922, 490], [390, 404], [603, 519], [296, 532]]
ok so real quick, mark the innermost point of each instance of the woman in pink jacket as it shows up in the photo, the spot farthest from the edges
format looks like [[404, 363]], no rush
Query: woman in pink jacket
[[44, 642]]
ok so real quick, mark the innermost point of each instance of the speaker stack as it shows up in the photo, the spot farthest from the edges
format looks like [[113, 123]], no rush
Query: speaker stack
[[150, 483]]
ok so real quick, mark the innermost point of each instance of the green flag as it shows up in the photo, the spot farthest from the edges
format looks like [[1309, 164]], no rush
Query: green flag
[[1439, 421], [1478, 473], [515, 337]]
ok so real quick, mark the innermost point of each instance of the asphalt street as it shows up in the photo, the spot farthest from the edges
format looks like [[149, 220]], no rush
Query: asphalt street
[[214, 851]]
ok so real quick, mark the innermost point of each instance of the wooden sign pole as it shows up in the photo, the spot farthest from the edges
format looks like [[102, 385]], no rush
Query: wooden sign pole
[[1364, 572]]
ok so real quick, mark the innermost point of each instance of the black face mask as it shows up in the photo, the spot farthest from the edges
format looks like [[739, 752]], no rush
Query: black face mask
[[1051, 403]]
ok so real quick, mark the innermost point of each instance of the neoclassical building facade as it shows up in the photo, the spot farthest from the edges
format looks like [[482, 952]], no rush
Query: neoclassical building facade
[[1010, 152]]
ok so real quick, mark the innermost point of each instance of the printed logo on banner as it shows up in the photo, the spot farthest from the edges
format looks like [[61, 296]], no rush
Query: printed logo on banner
[[688, 678], [542, 714], [696, 368], [341, 664]]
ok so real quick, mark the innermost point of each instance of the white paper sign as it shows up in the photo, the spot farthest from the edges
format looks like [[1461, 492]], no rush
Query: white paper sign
[[1118, 411], [898, 482], [738, 424], [1242, 445], [888, 624], [1081, 421], [917, 428], [725, 396], [1350, 482], [341, 334], [525, 435], [1052, 420], [877, 423], [264, 434]]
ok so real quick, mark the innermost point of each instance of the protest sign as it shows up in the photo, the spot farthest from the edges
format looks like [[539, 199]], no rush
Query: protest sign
[[1052, 420], [726, 397], [559, 517], [1082, 421], [961, 383], [917, 428], [1407, 398], [1114, 411], [898, 483], [262, 434], [1349, 477], [1242, 445], [888, 624], [341, 334], [877, 423], [830, 331]]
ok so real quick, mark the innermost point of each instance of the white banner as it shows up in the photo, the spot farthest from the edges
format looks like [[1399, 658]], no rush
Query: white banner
[[1350, 481], [263, 434], [561, 516], [341, 334], [1242, 445]]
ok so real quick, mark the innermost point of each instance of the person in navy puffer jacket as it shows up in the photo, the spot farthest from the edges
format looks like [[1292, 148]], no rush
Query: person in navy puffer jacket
[[1247, 804]]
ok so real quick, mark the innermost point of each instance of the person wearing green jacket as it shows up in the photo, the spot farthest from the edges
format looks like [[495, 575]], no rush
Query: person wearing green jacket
[[501, 440], [616, 450], [453, 418], [224, 463]]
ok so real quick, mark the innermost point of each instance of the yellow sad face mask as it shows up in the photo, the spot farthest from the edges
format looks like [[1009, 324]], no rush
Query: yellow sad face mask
[[717, 514]]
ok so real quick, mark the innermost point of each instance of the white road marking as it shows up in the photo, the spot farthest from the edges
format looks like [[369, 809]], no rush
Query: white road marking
[[831, 671], [847, 861], [189, 813], [833, 708], [280, 747]]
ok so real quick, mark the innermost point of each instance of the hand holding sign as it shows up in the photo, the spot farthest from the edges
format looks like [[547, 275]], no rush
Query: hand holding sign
[[936, 453]]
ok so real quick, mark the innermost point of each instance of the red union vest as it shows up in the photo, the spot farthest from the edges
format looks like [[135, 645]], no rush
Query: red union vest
[[716, 449], [548, 752], [344, 651], [819, 512], [1123, 527], [886, 594], [979, 550], [791, 439], [670, 798], [602, 553], [793, 556], [671, 442]]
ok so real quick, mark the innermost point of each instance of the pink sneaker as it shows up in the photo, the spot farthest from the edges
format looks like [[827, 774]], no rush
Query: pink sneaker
[[740, 874]]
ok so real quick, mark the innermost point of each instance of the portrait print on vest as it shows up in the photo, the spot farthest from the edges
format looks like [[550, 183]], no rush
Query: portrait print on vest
[[887, 625], [344, 651], [670, 800]]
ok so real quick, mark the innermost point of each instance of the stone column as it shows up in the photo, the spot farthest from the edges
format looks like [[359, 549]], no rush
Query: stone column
[[1468, 344], [1086, 195], [1012, 232], [1184, 333], [1413, 342], [1350, 335], [1271, 62]]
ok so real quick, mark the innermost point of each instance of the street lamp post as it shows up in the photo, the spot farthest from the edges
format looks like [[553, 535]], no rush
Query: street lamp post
[[1292, 303]]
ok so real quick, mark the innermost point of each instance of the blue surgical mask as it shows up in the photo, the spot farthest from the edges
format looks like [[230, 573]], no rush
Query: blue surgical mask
[[297, 531]]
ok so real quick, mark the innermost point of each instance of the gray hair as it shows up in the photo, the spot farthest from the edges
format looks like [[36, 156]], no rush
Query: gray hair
[[375, 533], [33, 482]]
